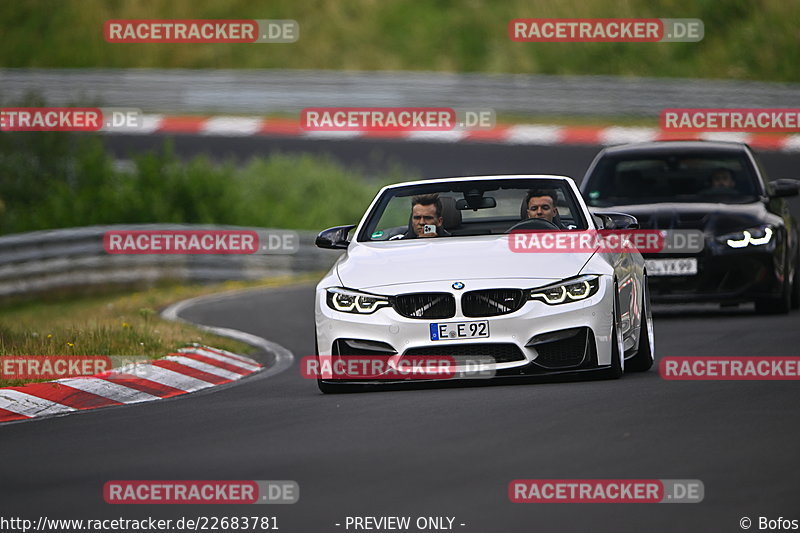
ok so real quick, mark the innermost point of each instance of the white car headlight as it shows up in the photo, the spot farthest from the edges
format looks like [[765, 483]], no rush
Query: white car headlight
[[568, 291], [350, 301], [750, 237]]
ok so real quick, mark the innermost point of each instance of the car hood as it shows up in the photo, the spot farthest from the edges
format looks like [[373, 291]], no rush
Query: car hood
[[712, 217], [369, 265]]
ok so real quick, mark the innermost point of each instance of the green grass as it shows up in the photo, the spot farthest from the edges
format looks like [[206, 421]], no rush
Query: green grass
[[743, 39], [112, 324]]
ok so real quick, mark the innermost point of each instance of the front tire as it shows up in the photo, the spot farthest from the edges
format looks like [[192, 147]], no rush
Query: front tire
[[645, 354], [780, 305], [617, 368], [796, 285]]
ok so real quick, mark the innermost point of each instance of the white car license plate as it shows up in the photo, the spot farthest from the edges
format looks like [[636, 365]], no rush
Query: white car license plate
[[441, 331], [686, 266]]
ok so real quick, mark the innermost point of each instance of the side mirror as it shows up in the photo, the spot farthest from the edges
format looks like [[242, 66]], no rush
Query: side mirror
[[785, 187], [334, 238], [616, 220]]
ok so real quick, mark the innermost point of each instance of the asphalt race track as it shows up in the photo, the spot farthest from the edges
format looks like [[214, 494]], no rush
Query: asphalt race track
[[439, 451], [428, 159]]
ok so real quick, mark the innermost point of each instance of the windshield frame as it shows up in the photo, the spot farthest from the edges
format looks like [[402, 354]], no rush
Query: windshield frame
[[608, 162], [379, 205]]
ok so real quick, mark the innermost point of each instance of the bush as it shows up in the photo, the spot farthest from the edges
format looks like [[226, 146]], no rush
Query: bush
[[56, 180]]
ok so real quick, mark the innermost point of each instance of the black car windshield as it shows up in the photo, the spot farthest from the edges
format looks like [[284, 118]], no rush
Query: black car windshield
[[480, 207], [673, 177]]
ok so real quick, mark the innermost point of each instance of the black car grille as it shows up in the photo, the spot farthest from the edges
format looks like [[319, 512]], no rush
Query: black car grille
[[565, 353], [499, 352], [425, 305], [492, 302]]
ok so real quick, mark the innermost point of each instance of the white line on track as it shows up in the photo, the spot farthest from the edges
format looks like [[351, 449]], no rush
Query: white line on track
[[283, 357]]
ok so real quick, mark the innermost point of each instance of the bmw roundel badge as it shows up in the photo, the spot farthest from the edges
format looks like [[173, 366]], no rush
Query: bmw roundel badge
[[458, 285]]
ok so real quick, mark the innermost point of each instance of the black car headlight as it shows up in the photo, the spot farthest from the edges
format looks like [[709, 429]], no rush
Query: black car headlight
[[568, 291], [756, 236], [350, 301]]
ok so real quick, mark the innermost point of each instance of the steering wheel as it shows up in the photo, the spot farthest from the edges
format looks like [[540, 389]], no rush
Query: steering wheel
[[534, 223]]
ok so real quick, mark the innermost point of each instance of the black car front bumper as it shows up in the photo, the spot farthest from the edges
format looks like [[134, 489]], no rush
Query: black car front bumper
[[723, 276]]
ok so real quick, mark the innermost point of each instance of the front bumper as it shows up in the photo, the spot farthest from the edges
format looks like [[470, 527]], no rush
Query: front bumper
[[536, 339], [727, 276]]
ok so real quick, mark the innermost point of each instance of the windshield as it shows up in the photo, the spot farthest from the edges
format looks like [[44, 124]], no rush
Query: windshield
[[471, 208], [673, 177]]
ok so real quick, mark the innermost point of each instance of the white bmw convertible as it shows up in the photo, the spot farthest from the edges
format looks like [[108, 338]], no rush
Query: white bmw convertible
[[431, 272]]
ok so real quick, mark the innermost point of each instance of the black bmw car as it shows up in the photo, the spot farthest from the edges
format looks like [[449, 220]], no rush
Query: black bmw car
[[751, 251]]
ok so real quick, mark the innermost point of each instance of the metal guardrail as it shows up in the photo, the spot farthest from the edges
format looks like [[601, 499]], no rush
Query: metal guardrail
[[63, 258], [269, 91]]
